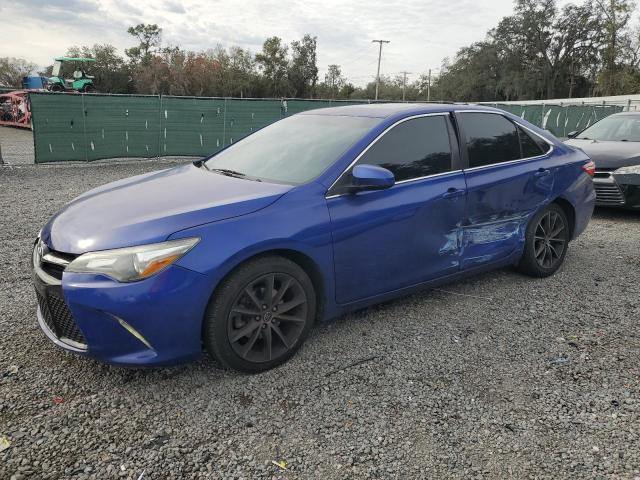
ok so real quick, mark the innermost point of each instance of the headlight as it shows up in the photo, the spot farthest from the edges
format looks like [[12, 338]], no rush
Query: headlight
[[132, 263], [630, 170]]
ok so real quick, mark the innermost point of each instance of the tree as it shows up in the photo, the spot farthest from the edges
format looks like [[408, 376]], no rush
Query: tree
[[616, 15], [165, 73], [149, 38], [244, 77], [303, 70], [333, 82], [539, 52], [13, 69], [273, 63]]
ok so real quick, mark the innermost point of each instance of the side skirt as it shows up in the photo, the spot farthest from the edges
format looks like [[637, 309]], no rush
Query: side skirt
[[339, 310]]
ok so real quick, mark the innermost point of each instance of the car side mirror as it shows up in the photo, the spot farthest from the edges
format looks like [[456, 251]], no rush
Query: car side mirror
[[572, 134], [371, 177]]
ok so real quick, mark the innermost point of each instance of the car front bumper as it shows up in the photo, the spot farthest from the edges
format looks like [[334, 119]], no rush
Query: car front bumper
[[617, 190], [157, 321]]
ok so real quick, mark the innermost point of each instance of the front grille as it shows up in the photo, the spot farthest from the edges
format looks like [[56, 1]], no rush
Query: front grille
[[608, 194], [59, 319], [52, 269], [54, 263]]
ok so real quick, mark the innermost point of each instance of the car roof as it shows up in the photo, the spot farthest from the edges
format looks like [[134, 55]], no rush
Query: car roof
[[624, 114], [385, 110]]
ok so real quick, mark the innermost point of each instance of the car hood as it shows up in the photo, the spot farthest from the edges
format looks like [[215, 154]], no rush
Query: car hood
[[148, 208], [609, 155]]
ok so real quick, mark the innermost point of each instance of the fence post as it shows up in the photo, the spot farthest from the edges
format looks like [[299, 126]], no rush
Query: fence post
[[224, 124], [628, 105], [84, 128], [159, 125], [1, 160]]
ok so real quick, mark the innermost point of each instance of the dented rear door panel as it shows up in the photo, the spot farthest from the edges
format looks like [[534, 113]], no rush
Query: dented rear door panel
[[500, 200]]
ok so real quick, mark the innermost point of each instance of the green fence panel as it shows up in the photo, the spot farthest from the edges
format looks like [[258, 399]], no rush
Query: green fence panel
[[553, 119], [121, 126], [246, 116], [606, 110], [575, 117], [82, 127], [516, 110], [58, 128], [191, 126], [297, 106], [561, 119]]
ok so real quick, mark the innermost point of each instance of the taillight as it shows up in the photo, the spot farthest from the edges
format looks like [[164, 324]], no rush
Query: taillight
[[589, 168]]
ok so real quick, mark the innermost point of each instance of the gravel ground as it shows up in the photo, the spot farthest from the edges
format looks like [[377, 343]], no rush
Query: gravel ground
[[500, 376], [16, 145]]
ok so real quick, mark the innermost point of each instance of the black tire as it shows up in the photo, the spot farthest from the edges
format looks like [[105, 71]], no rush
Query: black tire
[[57, 88], [87, 89], [245, 331], [547, 241]]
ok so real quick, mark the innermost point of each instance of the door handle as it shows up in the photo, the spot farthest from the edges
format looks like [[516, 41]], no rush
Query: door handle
[[542, 172], [453, 192]]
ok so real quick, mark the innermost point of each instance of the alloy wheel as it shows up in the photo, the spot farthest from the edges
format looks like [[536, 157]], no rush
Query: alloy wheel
[[267, 317], [550, 239]]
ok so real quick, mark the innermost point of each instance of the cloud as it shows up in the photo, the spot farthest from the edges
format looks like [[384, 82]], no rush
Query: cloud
[[174, 6], [422, 32]]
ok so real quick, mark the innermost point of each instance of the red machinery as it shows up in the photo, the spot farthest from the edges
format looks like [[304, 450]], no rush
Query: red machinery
[[15, 109]]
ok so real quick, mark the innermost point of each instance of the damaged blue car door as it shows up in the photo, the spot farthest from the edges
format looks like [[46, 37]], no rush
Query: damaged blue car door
[[509, 177], [392, 238]]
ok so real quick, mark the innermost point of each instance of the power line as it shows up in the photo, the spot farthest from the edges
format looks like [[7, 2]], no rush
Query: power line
[[379, 58]]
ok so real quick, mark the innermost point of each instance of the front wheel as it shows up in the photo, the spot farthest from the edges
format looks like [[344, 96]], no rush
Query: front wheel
[[547, 240], [260, 315]]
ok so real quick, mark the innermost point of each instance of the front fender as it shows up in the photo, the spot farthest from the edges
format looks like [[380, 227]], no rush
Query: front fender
[[298, 223]]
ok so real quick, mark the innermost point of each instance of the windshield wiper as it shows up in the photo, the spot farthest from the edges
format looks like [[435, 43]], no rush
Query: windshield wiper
[[233, 173]]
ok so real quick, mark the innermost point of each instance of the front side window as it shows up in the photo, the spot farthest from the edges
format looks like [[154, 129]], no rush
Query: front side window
[[293, 150], [412, 149], [415, 148], [490, 138]]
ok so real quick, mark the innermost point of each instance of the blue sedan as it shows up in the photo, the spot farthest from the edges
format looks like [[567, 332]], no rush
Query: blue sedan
[[316, 215]]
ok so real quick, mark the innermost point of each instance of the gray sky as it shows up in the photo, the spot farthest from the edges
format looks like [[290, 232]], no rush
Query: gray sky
[[422, 32]]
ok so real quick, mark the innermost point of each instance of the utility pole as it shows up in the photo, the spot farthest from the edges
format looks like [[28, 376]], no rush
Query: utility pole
[[429, 87], [379, 57], [404, 82]]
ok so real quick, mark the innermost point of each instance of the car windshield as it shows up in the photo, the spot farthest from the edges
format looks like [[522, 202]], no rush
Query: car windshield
[[293, 150], [623, 128]]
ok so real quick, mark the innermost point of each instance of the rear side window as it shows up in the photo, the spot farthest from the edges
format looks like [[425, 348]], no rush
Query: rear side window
[[531, 146], [490, 138], [413, 149]]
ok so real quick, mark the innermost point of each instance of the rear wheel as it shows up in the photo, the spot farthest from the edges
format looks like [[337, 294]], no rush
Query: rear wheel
[[547, 240], [260, 315]]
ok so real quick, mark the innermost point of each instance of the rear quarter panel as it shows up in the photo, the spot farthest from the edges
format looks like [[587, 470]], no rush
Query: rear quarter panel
[[575, 186], [571, 183]]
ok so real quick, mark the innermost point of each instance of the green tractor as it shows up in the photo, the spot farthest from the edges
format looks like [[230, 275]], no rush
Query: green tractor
[[81, 82]]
